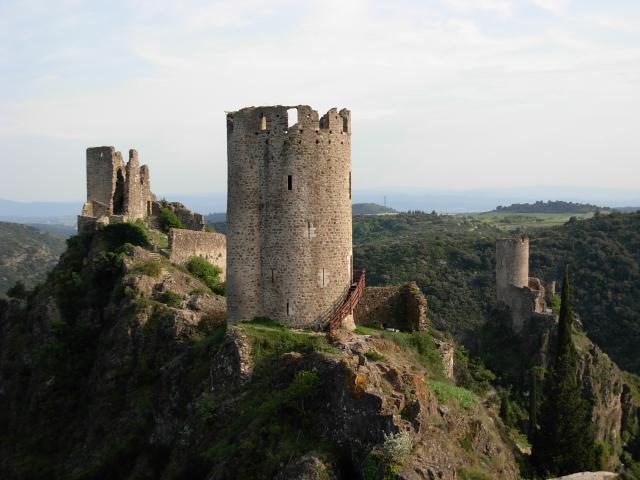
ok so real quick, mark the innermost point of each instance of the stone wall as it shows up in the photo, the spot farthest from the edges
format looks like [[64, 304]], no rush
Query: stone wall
[[402, 307], [184, 244], [288, 214]]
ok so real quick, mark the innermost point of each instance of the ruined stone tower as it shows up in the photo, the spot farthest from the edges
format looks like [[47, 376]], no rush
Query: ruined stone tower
[[289, 253], [512, 265], [115, 190], [524, 296]]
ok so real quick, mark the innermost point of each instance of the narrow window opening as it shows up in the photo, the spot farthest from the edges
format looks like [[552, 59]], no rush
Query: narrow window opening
[[309, 229], [263, 122], [323, 284], [349, 184], [273, 275], [345, 124], [289, 182], [287, 309], [118, 194], [292, 117]]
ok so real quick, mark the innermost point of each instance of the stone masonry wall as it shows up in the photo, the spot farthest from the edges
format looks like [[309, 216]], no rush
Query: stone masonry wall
[[288, 214], [184, 244], [403, 307]]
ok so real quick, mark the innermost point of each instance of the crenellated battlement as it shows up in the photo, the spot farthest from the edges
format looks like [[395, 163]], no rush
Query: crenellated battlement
[[288, 120]]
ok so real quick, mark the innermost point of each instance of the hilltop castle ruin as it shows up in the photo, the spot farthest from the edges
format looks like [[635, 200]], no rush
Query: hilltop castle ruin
[[289, 216], [524, 296], [122, 193]]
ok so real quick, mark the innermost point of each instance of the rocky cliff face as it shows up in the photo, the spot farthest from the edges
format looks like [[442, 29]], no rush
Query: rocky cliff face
[[610, 391], [122, 367]]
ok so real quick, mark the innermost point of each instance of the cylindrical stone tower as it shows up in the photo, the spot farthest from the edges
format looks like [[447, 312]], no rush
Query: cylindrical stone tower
[[289, 251], [512, 265]]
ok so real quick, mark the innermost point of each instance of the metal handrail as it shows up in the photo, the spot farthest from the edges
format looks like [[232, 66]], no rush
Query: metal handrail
[[351, 300]]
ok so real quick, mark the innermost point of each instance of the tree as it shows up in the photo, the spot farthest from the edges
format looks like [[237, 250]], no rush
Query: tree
[[565, 441]]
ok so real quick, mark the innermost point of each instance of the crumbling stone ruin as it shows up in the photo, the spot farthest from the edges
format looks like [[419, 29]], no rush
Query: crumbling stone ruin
[[524, 296], [401, 307], [288, 214], [122, 193], [115, 192], [184, 244]]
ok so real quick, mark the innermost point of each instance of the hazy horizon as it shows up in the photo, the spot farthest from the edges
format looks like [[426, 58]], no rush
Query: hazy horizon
[[445, 94]]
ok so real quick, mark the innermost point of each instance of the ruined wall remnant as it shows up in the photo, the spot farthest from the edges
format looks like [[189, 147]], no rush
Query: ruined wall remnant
[[115, 191], [524, 296], [184, 244], [288, 214], [403, 307]]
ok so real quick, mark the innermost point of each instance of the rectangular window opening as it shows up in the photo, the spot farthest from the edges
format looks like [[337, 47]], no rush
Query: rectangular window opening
[[349, 184], [273, 275], [289, 182], [287, 309], [323, 284]]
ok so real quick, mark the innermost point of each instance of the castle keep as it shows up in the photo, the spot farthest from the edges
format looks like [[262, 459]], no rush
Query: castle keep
[[289, 252], [524, 296]]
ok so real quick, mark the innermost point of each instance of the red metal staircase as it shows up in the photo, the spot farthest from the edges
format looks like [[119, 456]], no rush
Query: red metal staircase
[[350, 301]]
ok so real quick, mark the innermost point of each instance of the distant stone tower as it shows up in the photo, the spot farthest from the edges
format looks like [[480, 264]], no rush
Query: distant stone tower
[[289, 251], [512, 265], [524, 296]]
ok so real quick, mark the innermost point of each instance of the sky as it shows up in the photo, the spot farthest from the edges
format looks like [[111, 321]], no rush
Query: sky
[[444, 94]]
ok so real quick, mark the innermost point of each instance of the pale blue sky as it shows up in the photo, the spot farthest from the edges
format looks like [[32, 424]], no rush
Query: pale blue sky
[[445, 94]]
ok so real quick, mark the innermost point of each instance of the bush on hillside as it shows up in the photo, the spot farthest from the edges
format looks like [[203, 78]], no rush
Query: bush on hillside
[[208, 273], [119, 234], [168, 220]]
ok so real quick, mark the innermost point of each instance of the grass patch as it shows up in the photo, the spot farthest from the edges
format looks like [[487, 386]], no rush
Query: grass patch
[[374, 356], [473, 474], [271, 340], [362, 330], [446, 392], [151, 268]]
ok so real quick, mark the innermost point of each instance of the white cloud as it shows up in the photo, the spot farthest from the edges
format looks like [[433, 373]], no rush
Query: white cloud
[[557, 7]]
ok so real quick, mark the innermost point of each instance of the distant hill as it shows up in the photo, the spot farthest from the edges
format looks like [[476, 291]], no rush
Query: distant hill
[[26, 254], [9, 208], [556, 206], [55, 229], [627, 209], [370, 209]]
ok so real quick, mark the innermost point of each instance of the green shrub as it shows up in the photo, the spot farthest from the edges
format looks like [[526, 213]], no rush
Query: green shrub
[[168, 220], [170, 298], [118, 235], [445, 392], [17, 291], [151, 268], [209, 274]]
